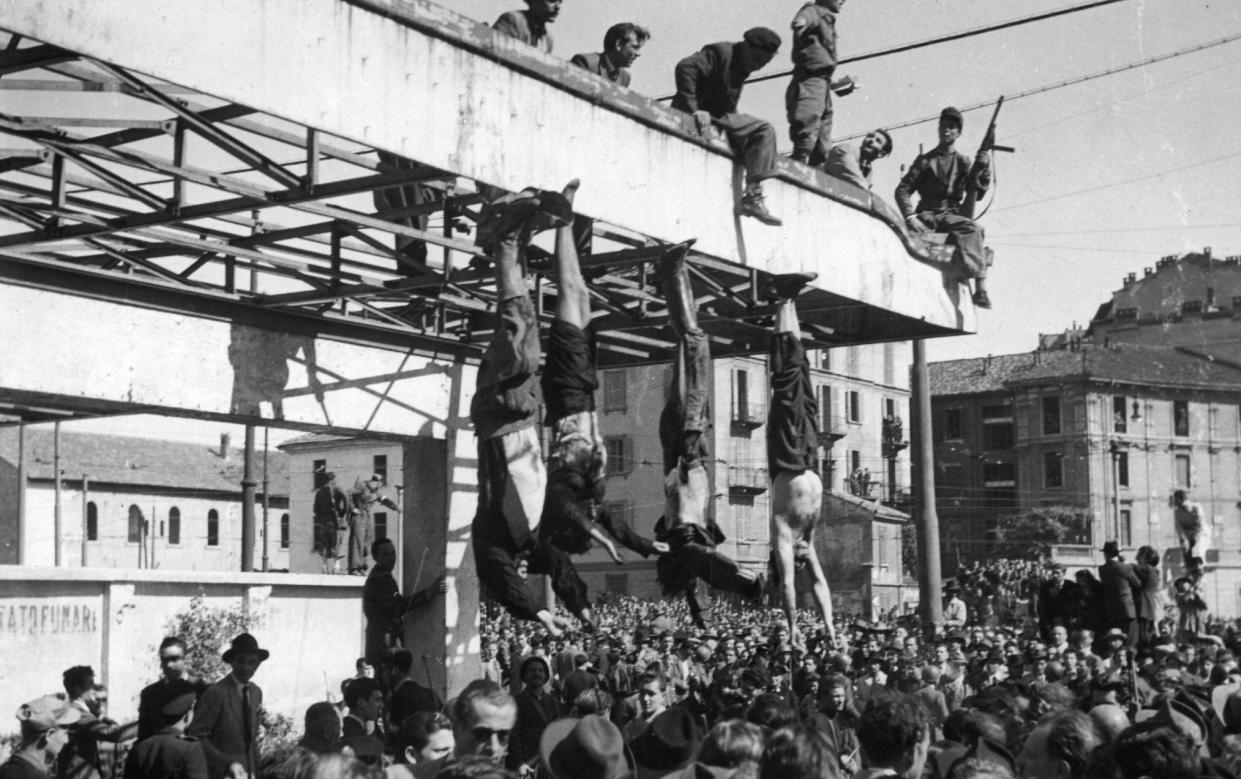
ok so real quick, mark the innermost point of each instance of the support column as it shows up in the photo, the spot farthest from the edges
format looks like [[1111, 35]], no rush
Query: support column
[[930, 584], [56, 489], [23, 534], [247, 503]]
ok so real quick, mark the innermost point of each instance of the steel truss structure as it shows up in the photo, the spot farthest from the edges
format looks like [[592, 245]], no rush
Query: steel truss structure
[[159, 186]]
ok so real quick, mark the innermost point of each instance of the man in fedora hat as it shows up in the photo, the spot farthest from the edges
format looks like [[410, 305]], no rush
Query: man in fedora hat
[[226, 720], [666, 743], [586, 748], [43, 736], [955, 612], [1119, 579]]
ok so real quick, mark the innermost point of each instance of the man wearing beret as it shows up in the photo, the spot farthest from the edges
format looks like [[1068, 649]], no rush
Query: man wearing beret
[[709, 85], [169, 753], [941, 178]]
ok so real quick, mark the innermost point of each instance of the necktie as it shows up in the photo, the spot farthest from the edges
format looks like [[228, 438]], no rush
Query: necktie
[[247, 717]]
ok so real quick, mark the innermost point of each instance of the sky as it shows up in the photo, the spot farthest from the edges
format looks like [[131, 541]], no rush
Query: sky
[[1108, 176]]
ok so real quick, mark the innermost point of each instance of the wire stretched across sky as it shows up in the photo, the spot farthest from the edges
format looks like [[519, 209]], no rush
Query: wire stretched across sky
[[956, 36]]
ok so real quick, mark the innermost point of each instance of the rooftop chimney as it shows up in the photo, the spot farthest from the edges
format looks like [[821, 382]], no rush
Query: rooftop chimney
[[224, 439], [1206, 251]]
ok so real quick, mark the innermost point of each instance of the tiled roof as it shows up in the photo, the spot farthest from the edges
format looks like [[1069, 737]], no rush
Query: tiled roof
[[142, 462], [1179, 281], [315, 438], [1127, 363]]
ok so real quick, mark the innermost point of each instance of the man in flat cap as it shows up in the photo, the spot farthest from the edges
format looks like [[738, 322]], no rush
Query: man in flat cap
[[169, 753], [941, 178], [709, 85], [331, 522]]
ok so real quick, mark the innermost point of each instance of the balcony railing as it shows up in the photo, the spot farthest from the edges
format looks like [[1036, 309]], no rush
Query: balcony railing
[[743, 480]]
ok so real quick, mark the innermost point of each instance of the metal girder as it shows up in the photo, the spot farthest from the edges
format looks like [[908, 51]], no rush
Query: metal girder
[[16, 60]]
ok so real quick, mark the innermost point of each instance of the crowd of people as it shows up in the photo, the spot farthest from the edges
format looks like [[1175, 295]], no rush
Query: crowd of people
[[650, 695]]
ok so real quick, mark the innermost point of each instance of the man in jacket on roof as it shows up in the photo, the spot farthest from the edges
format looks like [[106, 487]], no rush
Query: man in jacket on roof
[[941, 178], [622, 44], [808, 99], [530, 26], [709, 85]]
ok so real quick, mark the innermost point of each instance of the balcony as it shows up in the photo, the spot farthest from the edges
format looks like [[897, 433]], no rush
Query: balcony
[[744, 480], [749, 415], [893, 437], [832, 431]]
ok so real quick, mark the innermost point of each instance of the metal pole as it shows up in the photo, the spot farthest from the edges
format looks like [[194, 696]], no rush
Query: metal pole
[[247, 503], [85, 515], [930, 584], [23, 537], [56, 515], [266, 531]]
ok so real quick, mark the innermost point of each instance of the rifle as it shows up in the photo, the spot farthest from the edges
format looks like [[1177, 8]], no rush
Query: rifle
[[988, 144]]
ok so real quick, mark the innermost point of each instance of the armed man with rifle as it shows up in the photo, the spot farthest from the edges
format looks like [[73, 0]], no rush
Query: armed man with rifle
[[948, 186]]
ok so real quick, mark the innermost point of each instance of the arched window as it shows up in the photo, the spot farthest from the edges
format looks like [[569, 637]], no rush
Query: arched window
[[174, 525], [213, 528], [284, 531], [92, 521], [134, 534]]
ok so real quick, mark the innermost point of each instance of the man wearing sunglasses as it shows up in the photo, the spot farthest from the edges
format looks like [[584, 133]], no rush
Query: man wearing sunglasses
[[483, 717], [173, 683]]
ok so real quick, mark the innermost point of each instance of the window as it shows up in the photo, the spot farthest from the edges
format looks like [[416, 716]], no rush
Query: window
[[174, 526], [855, 406], [952, 424], [1053, 471], [1180, 417], [889, 407], [319, 472], [379, 466], [1000, 480], [614, 396], [616, 583], [826, 421], [134, 534], [741, 396], [92, 521], [855, 460], [997, 428], [1120, 422], [621, 510], [284, 531], [619, 454], [1182, 471], [213, 528], [1122, 469], [1051, 416], [1126, 527], [825, 359], [381, 524]]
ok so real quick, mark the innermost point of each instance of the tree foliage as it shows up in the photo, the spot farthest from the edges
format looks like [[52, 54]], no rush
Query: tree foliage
[[1031, 534], [207, 632]]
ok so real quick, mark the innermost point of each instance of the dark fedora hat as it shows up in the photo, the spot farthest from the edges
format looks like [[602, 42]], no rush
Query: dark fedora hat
[[587, 748], [245, 644], [1111, 549], [667, 743]]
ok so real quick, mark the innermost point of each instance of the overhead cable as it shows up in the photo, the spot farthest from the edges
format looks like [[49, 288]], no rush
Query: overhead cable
[[956, 36], [1061, 84]]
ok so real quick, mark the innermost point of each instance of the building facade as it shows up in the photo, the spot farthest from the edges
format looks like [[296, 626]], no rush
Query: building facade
[[135, 503], [1110, 422]]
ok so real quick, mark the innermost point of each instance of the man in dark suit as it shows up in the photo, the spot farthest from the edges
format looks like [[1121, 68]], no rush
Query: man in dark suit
[[80, 757], [172, 685], [365, 699], [226, 720], [169, 753], [1119, 579], [622, 44]]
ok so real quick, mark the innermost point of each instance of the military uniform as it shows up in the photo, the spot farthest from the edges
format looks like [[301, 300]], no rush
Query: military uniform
[[167, 755], [941, 179]]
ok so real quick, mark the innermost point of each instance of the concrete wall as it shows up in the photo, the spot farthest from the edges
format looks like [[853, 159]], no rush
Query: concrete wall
[[114, 620]]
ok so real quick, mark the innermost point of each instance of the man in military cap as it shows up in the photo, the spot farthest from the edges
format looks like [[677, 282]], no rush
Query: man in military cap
[[709, 85], [941, 178], [43, 736], [169, 753]]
